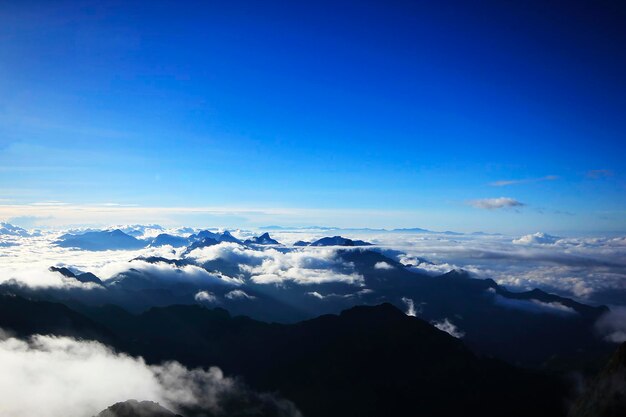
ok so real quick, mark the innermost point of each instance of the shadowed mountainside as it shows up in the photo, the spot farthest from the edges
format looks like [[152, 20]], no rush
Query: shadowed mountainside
[[366, 361]]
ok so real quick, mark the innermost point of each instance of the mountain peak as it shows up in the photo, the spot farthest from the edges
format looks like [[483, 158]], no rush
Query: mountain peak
[[134, 408]]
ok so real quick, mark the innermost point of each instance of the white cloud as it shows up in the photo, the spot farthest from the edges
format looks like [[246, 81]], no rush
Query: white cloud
[[495, 203], [534, 306], [383, 265], [448, 327], [538, 238], [205, 296], [48, 376], [316, 295], [239, 295], [271, 266], [612, 325], [410, 306]]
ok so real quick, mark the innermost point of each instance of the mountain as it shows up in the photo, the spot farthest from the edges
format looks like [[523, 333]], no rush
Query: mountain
[[203, 234], [26, 317], [301, 243], [227, 237], [10, 230], [264, 239], [134, 408], [207, 241], [367, 361], [101, 240], [82, 277], [606, 395], [339, 241], [139, 230], [534, 328], [167, 239], [412, 230]]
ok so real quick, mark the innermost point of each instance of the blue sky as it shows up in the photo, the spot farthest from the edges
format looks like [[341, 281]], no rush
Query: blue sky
[[356, 114]]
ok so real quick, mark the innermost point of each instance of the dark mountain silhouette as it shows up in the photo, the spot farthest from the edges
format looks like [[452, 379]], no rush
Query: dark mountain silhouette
[[368, 361], [339, 241], [301, 243], [134, 408], [264, 239], [101, 240], [82, 277], [25, 317], [606, 395]]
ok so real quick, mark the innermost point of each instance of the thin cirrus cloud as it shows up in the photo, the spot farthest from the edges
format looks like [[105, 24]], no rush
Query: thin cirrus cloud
[[597, 174], [495, 203], [503, 183]]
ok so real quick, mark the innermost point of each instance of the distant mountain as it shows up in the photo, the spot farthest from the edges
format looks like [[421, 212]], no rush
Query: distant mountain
[[264, 239], [273, 227], [10, 230], [301, 243], [606, 395], [83, 277], [134, 408], [339, 241], [207, 241], [101, 240], [225, 236], [203, 234], [412, 230], [167, 239], [139, 230]]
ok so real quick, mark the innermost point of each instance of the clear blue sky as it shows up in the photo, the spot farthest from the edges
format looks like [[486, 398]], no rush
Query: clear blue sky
[[413, 109]]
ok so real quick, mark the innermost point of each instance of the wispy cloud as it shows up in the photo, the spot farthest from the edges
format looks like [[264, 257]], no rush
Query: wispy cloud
[[495, 203], [503, 183], [599, 173], [59, 214], [49, 203]]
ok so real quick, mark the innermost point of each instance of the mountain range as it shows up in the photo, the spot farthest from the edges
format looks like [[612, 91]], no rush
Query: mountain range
[[366, 361]]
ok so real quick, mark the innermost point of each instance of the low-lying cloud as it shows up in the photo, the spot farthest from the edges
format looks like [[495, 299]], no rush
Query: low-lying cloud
[[47, 376], [447, 326], [612, 325], [534, 306]]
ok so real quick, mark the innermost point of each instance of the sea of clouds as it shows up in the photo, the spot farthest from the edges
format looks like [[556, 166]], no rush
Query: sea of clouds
[[588, 269]]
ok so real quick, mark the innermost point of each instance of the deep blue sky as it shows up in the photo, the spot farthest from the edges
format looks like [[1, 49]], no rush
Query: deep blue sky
[[401, 113]]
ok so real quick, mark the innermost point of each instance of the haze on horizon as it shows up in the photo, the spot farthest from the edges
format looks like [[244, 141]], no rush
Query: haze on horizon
[[501, 117]]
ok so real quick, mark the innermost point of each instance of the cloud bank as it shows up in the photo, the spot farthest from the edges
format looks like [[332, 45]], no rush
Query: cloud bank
[[48, 376]]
